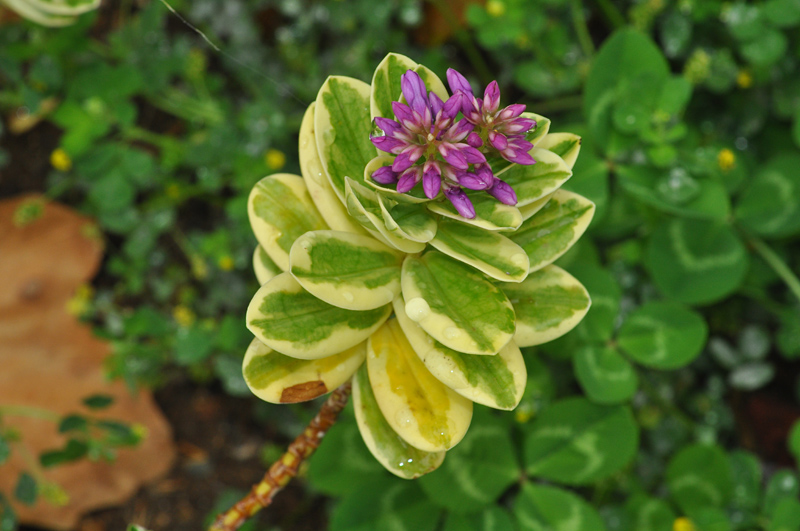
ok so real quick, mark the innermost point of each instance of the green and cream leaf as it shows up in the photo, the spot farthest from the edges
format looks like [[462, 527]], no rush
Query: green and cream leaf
[[533, 182], [281, 210], [565, 145], [280, 379], [319, 187], [346, 270], [427, 414], [386, 84], [540, 130], [529, 210], [415, 195], [490, 214], [495, 381], [456, 304], [555, 228], [410, 222], [547, 304], [486, 251], [395, 454], [290, 320], [263, 266]]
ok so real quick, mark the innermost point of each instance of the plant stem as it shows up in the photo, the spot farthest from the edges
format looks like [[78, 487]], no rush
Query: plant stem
[[30, 411], [283, 470], [612, 13], [579, 23], [776, 263]]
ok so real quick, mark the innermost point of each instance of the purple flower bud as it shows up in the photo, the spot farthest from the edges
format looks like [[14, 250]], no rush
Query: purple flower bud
[[512, 111], [457, 82], [388, 126], [404, 160], [389, 144], [474, 140], [405, 115], [453, 156], [498, 140], [409, 179], [491, 98], [503, 192], [474, 181], [484, 171], [431, 179], [461, 202], [414, 91], [518, 156], [384, 175], [459, 131], [517, 126], [453, 105], [436, 103], [472, 155]]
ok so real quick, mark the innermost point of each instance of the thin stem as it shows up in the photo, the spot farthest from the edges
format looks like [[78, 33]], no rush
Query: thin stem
[[776, 263], [612, 13], [579, 23], [464, 39], [283, 470], [30, 411]]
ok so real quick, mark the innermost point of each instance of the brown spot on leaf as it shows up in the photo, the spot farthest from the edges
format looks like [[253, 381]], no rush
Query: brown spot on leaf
[[303, 391]]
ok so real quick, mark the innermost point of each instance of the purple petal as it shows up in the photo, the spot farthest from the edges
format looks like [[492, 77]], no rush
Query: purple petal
[[457, 82], [491, 98], [405, 115], [461, 202], [474, 181], [512, 111], [503, 192], [498, 140], [408, 179], [388, 126], [436, 103], [519, 143], [454, 104], [517, 126], [458, 131], [472, 155], [389, 144], [453, 156], [474, 140], [518, 156], [384, 175], [414, 91], [431, 180], [484, 171], [402, 162]]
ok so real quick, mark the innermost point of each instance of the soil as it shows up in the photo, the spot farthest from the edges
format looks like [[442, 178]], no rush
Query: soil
[[218, 445]]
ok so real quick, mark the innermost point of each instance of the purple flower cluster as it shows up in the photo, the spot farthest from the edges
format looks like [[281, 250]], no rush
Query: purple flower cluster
[[447, 153]]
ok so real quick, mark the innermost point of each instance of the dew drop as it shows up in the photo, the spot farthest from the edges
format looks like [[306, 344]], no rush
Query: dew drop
[[417, 309]]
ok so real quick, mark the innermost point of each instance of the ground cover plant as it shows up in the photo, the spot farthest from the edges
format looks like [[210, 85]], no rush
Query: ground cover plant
[[671, 404]]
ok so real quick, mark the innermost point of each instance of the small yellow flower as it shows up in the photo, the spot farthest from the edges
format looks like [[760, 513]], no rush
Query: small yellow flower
[[60, 160], [173, 191], [495, 8], [225, 263], [53, 493], [744, 79], [274, 159], [183, 316], [78, 304], [523, 414], [726, 159], [199, 267], [683, 524]]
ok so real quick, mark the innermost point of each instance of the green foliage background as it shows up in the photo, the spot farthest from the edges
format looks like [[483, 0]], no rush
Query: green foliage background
[[690, 117]]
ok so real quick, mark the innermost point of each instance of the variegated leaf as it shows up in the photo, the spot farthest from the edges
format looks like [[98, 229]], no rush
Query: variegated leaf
[[531, 183], [529, 210], [347, 270], [490, 214], [342, 127], [410, 222], [415, 195], [422, 410], [319, 187], [263, 266], [395, 454], [290, 320], [555, 228], [487, 251], [455, 304], [280, 210], [280, 379], [362, 203], [548, 304], [540, 130], [565, 145], [495, 381], [386, 84]]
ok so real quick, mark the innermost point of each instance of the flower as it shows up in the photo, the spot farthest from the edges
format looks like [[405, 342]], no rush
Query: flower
[[275, 159], [424, 300], [432, 146], [726, 159], [60, 160]]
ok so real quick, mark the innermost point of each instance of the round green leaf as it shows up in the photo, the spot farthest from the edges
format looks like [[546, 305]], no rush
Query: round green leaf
[[663, 335], [491, 519], [576, 442], [783, 484], [700, 476], [548, 508], [604, 374], [649, 514], [770, 204], [696, 262], [794, 441]]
